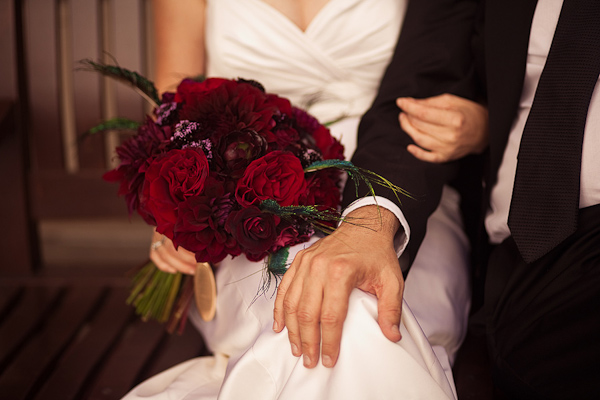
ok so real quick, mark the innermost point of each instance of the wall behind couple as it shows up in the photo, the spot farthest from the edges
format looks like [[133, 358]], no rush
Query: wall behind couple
[[68, 212]]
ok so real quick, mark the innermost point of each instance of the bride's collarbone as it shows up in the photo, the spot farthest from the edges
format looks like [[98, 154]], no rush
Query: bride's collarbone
[[300, 12]]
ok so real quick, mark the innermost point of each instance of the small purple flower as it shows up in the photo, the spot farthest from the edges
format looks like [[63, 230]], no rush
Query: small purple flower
[[164, 112], [185, 137], [185, 129]]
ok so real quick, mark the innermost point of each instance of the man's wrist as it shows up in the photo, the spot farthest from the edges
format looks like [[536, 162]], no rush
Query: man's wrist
[[402, 234]]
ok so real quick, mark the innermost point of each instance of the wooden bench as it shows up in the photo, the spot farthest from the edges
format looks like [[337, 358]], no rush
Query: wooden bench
[[79, 340]]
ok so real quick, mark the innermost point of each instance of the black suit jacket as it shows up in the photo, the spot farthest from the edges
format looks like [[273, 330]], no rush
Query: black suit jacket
[[474, 49]]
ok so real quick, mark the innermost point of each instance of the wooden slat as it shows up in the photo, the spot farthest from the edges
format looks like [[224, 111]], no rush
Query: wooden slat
[[128, 50], [16, 236], [85, 194], [22, 320], [122, 40], [119, 373], [66, 96], [176, 349], [77, 364], [86, 45], [8, 66], [41, 55], [27, 371]]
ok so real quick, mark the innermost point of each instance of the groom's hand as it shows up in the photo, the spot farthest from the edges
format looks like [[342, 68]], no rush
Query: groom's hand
[[312, 298]]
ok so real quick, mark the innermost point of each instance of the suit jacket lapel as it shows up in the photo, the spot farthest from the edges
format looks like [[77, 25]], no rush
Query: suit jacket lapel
[[507, 28]]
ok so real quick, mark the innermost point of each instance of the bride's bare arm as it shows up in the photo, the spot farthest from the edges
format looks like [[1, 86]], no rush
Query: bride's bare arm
[[444, 128], [179, 38]]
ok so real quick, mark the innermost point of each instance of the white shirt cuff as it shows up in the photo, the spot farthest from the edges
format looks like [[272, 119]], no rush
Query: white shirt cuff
[[402, 237]]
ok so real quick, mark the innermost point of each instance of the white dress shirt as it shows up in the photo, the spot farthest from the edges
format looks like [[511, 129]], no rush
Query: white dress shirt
[[542, 32]]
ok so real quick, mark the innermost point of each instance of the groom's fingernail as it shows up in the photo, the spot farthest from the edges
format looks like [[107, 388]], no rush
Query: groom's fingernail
[[396, 330], [327, 362], [306, 361], [275, 326], [295, 350]]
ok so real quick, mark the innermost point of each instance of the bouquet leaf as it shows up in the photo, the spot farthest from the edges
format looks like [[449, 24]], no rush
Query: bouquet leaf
[[114, 124], [144, 86], [358, 174]]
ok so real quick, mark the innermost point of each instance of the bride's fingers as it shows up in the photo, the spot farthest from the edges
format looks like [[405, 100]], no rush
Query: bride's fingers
[[160, 263], [172, 260]]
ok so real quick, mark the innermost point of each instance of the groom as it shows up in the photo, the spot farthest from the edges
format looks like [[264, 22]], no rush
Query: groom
[[427, 62], [542, 292]]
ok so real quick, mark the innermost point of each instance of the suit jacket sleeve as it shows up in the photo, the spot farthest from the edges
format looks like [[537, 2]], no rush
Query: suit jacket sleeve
[[432, 56]]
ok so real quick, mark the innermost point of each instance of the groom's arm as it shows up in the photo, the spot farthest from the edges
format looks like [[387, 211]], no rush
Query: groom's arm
[[312, 299], [432, 56]]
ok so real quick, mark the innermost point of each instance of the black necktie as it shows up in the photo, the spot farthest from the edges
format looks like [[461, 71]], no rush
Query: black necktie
[[545, 200]]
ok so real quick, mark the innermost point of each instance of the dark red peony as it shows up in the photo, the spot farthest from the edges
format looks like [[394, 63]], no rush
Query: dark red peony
[[231, 106], [278, 176], [200, 226], [135, 155], [169, 181], [254, 230], [238, 149]]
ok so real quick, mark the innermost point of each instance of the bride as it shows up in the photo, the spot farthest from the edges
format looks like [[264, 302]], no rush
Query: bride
[[327, 57]]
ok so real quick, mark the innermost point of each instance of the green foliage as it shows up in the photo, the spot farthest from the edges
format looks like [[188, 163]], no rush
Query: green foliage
[[144, 86], [114, 124]]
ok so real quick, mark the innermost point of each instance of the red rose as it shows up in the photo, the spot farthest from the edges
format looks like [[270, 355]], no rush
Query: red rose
[[292, 234], [330, 147], [169, 181], [190, 90], [277, 176], [254, 230], [323, 189]]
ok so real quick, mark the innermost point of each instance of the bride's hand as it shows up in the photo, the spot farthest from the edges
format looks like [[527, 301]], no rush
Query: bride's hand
[[169, 259], [312, 298], [444, 128]]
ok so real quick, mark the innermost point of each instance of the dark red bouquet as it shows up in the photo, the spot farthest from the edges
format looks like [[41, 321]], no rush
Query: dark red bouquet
[[223, 169], [216, 151]]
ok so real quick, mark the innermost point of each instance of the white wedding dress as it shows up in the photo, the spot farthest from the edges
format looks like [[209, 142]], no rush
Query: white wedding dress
[[332, 69]]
